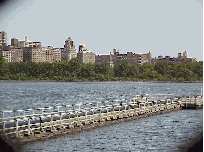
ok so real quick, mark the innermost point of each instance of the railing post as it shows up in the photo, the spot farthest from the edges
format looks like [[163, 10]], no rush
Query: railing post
[[78, 122], [60, 120], [33, 112], [28, 126], [40, 123], [4, 127], [72, 107], [2, 116], [86, 122], [69, 119], [93, 116], [23, 114], [16, 128], [51, 123]]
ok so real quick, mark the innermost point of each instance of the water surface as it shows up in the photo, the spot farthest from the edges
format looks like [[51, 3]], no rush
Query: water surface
[[166, 132]]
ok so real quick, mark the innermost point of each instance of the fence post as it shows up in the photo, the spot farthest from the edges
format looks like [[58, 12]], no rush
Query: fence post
[[16, 127], [60, 120], [3, 122], [2, 116], [3, 127], [24, 114], [33, 112], [78, 122], [40, 123], [86, 122], [70, 125], [28, 126], [51, 123]]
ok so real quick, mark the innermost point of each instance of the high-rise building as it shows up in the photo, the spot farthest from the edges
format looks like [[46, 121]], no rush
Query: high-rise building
[[69, 50], [185, 54], [27, 43], [14, 42], [115, 58], [12, 54], [56, 55], [107, 59], [85, 56], [170, 61], [81, 47], [3, 39], [41, 54], [115, 51]]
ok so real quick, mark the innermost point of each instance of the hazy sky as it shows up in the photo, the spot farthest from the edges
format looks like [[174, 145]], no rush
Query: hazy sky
[[163, 27]]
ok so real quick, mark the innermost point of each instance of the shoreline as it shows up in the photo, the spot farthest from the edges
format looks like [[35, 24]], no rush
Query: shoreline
[[104, 81]]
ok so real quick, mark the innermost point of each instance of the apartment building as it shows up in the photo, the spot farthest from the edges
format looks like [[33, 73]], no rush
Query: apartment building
[[25, 43], [12, 54], [181, 58], [6, 55], [69, 51], [56, 55], [112, 59], [85, 56], [106, 59], [132, 58], [3, 39], [41, 54]]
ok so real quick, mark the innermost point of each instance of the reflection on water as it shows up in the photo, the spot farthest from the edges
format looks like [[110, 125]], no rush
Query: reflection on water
[[164, 132]]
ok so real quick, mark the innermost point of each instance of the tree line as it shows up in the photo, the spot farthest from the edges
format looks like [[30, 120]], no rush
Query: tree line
[[74, 70]]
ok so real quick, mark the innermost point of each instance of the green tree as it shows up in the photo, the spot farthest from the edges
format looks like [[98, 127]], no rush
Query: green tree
[[122, 69], [3, 66], [161, 67]]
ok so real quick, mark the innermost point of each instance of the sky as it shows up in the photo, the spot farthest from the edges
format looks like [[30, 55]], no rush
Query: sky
[[163, 27]]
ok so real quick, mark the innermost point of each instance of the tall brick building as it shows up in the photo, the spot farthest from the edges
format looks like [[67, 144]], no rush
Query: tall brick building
[[112, 59], [170, 61], [3, 39]]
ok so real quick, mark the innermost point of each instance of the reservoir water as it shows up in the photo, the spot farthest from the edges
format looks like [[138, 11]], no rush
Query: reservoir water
[[165, 132]]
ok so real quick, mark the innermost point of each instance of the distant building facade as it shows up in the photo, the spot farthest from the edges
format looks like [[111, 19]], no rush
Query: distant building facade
[[3, 39], [106, 59], [85, 56], [182, 57], [56, 55], [69, 51], [112, 59], [41, 54], [26, 43], [12, 54]]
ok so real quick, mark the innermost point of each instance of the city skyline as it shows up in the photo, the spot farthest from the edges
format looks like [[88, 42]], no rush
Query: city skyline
[[163, 28]]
